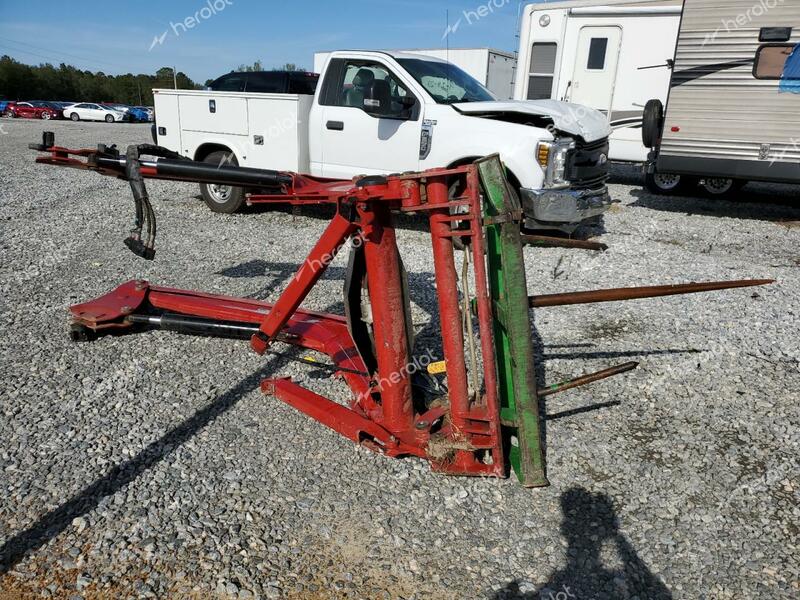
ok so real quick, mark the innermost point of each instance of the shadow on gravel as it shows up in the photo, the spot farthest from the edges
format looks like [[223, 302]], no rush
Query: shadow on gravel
[[625, 174], [422, 286], [56, 521], [780, 208], [591, 527], [279, 273], [541, 358], [581, 409]]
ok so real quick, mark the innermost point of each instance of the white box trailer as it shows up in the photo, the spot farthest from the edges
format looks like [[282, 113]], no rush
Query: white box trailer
[[493, 68], [611, 55]]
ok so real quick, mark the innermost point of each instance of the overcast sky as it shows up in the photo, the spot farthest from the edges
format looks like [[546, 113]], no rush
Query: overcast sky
[[143, 35]]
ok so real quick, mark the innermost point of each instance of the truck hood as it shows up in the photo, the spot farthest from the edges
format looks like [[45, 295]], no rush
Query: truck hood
[[588, 123]]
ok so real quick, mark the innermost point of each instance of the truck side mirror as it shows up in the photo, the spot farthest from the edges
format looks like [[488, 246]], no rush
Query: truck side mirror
[[373, 106], [379, 102]]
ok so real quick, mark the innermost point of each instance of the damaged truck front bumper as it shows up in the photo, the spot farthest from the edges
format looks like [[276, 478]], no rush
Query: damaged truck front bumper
[[563, 209]]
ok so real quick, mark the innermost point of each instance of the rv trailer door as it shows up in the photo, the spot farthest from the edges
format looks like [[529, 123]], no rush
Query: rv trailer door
[[596, 67]]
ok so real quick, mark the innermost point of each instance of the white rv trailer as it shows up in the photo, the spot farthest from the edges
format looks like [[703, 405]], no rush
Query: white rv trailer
[[733, 112], [611, 55], [493, 68]]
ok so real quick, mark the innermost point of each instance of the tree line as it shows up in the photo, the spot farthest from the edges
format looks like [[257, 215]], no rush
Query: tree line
[[65, 83], [259, 66]]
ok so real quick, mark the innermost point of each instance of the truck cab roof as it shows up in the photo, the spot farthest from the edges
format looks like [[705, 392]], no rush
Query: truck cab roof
[[390, 53]]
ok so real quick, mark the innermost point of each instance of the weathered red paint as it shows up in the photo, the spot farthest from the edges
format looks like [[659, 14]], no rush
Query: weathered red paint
[[462, 437], [392, 346], [449, 314]]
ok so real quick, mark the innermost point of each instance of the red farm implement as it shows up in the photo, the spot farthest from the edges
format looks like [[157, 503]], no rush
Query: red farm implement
[[486, 418]]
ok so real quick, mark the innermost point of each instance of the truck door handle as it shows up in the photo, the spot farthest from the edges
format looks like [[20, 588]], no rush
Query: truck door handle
[[335, 125]]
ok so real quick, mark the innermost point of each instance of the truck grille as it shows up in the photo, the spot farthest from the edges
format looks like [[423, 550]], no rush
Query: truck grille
[[587, 164]]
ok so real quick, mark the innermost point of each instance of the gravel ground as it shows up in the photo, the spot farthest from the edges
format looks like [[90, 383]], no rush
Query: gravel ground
[[151, 466]]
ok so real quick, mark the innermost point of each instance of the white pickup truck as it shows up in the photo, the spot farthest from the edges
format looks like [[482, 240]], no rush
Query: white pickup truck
[[386, 112]]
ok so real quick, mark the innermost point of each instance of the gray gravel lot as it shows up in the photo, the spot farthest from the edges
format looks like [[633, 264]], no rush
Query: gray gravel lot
[[151, 465]]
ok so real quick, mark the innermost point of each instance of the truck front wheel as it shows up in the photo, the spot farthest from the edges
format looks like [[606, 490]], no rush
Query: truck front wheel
[[222, 198]]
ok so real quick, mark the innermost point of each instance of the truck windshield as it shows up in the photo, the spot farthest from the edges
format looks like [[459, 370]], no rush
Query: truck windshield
[[446, 82]]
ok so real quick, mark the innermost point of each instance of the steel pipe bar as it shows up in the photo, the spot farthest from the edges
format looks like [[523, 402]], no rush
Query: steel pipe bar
[[585, 379], [195, 326], [228, 329], [634, 293], [392, 346], [449, 313], [189, 170]]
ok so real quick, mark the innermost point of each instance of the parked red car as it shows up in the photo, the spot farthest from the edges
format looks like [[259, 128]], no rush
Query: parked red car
[[33, 110]]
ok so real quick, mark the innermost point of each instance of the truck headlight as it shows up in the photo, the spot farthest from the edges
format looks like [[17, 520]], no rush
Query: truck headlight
[[552, 156]]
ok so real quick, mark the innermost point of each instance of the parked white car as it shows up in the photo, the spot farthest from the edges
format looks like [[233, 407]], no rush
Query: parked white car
[[87, 111]]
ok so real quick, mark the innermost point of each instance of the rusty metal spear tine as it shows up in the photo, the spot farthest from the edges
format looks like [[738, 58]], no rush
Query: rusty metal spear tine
[[545, 241], [585, 379], [633, 293]]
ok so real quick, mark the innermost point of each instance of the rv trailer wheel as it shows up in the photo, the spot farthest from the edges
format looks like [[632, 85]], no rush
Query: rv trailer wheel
[[719, 187], [664, 183]]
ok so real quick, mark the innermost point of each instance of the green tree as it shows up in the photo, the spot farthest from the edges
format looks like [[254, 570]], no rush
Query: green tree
[[256, 66], [47, 82], [289, 67]]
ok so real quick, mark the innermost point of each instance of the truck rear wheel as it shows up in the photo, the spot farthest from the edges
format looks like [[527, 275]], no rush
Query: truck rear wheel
[[222, 198]]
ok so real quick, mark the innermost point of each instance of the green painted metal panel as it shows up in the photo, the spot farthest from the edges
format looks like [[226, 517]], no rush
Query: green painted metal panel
[[512, 327]]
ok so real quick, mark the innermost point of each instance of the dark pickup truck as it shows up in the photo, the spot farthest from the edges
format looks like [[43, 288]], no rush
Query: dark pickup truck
[[267, 82]]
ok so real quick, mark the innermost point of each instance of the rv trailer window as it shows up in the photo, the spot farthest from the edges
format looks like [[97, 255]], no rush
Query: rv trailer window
[[597, 54], [771, 60], [542, 67]]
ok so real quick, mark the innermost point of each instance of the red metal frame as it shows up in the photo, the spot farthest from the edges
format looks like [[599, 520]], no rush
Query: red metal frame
[[462, 437]]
